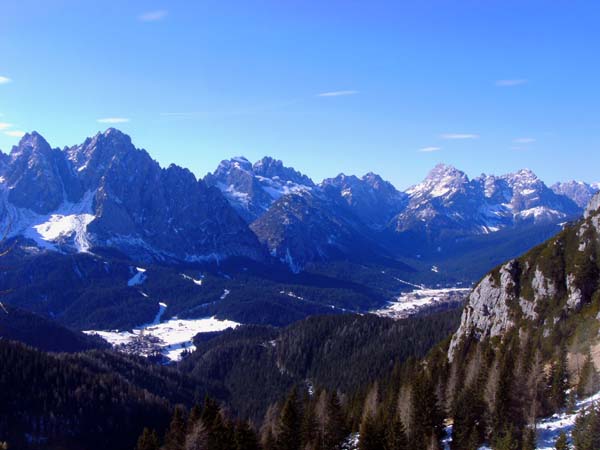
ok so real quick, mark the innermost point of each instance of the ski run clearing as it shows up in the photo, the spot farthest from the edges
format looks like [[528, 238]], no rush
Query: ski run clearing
[[171, 338]]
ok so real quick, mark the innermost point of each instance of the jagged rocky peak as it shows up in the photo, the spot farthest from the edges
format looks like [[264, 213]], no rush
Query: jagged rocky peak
[[578, 191], [252, 188], [39, 177], [31, 144], [371, 198], [271, 168], [442, 181], [94, 156]]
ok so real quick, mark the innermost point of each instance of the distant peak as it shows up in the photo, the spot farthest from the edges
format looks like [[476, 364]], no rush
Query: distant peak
[[443, 171], [523, 176], [34, 141]]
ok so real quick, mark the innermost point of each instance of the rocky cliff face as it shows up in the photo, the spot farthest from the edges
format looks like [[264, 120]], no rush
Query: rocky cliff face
[[539, 289], [107, 193]]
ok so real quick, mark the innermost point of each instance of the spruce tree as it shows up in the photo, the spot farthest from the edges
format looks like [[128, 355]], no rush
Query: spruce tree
[[197, 438], [561, 442], [529, 439], [586, 432], [395, 435], [588, 378], [427, 421], [290, 424], [245, 437], [371, 436], [468, 430], [507, 440], [558, 381], [221, 435], [175, 437], [148, 440]]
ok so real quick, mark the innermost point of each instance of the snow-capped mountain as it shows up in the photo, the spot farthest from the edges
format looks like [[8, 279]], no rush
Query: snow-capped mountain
[[107, 193], [578, 191], [447, 203], [252, 188]]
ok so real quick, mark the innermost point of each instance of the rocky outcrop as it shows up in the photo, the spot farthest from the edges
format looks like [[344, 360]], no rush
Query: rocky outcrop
[[563, 272]]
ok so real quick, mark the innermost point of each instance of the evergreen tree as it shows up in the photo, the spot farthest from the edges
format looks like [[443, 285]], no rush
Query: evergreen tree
[[561, 442], [290, 431], [507, 440], [529, 439], [194, 417], [468, 431], [588, 378], [221, 435], [309, 429], [148, 440], [331, 426], [586, 432], [197, 438], [210, 411], [395, 435], [427, 421], [175, 437], [371, 435], [245, 437], [558, 381]]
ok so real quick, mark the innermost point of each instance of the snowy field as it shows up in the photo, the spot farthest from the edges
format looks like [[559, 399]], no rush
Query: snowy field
[[420, 298], [171, 338]]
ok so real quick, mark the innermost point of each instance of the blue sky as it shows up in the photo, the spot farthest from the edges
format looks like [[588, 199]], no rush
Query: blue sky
[[338, 86]]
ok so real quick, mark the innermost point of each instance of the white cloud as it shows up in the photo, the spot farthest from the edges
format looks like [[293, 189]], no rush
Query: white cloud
[[153, 16], [4, 125], [113, 120], [524, 140], [4, 80], [430, 149], [460, 136], [15, 133], [511, 83], [337, 93]]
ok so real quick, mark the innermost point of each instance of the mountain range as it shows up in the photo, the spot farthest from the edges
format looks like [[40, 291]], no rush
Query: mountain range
[[104, 210]]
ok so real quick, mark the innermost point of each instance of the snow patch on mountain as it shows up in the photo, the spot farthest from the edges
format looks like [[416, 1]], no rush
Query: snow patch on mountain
[[138, 278], [66, 226], [196, 281]]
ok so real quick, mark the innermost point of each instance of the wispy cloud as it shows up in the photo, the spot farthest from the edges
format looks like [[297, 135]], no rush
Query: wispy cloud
[[153, 16], [511, 82], [4, 80], [524, 140], [430, 149], [337, 93], [113, 120], [4, 125], [15, 133], [459, 136]]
